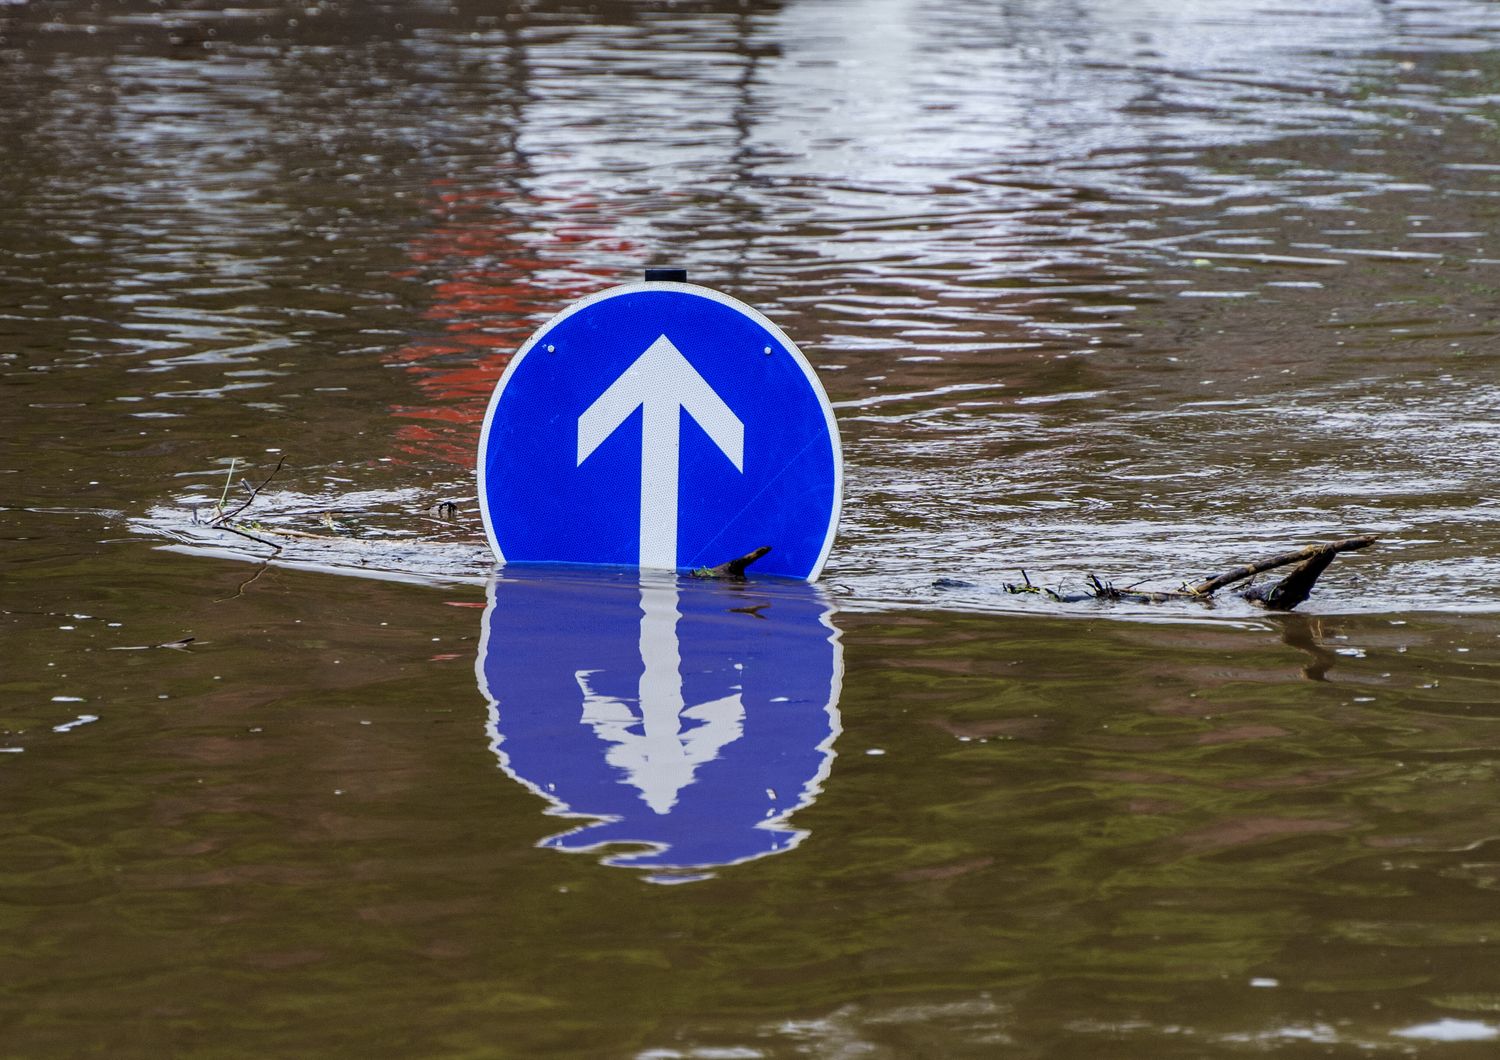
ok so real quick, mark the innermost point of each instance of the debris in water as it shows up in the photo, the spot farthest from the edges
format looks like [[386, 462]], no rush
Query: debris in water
[[1286, 594], [735, 568], [174, 645]]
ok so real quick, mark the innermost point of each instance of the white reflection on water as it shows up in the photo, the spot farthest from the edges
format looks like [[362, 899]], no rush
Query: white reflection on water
[[1450, 1030]]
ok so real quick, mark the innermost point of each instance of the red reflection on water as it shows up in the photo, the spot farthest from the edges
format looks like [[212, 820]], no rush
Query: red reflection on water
[[501, 277]]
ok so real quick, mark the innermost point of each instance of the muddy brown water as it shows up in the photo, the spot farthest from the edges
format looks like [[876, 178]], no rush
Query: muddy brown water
[[1137, 289]]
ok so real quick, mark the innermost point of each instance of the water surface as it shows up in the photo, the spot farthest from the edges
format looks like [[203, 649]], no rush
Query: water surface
[[1139, 290]]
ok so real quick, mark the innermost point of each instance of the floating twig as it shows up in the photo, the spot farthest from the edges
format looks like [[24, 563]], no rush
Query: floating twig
[[1286, 594], [1249, 570], [173, 645], [1027, 588], [735, 568], [224, 494], [273, 546], [225, 517]]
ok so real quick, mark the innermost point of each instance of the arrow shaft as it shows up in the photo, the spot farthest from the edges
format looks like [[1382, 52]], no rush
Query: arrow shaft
[[661, 439]]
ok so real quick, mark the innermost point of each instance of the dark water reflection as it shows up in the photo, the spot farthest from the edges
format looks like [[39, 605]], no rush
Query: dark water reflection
[[1136, 289], [1152, 838]]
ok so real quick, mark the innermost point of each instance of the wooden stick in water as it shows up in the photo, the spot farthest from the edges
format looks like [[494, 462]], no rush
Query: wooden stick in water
[[1260, 566]]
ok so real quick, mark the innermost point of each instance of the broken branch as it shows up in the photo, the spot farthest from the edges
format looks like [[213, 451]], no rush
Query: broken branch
[[225, 517], [735, 568], [1260, 566], [1286, 594]]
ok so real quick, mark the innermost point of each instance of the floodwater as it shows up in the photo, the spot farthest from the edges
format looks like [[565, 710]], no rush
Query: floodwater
[[1138, 289]]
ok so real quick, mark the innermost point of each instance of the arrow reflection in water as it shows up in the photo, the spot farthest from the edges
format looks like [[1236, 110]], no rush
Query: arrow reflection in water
[[686, 719]]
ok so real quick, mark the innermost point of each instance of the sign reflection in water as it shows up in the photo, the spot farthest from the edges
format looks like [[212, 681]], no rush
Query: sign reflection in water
[[685, 719]]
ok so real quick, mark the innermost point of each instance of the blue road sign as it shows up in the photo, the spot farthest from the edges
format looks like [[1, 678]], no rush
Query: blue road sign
[[664, 426], [683, 721]]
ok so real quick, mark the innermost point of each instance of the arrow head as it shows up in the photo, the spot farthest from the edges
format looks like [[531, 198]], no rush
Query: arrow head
[[662, 378]]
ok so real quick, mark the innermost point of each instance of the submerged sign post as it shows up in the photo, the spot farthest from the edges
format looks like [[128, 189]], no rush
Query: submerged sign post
[[665, 426]]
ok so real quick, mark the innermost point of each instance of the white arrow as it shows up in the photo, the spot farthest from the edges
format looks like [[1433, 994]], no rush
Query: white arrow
[[660, 382]]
